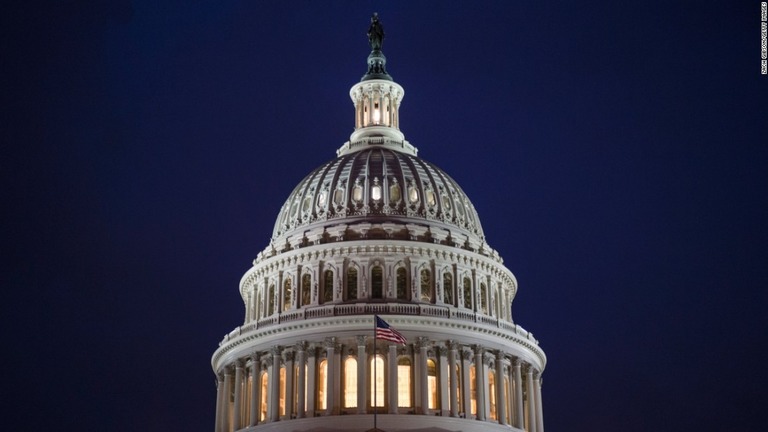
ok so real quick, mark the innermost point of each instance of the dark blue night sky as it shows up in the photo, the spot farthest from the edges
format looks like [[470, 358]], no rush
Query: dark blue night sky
[[617, 154]]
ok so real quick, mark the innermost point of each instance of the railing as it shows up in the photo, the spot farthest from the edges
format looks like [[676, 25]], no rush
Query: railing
[[331, 310]]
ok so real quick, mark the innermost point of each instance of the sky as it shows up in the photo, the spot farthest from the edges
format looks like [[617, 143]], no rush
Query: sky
[[615, 152]]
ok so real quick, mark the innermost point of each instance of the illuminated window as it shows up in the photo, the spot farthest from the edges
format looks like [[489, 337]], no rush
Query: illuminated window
[[376, 190], [432, 384], [458, 387], [287, 293], [448, 287], [338, 196], [321, 199], [467, 293], [282, 391], [430, 197], [404, 395], [426, 285], [322, 384], [377, 381], [413, 194], [350, 382], [306, 289], [328, 287], [394, 193], [263, 397], [508, 401], [357, 192], [352, 283], [446, 203], [402, 284], [483, 299], [492, 394], [473, 390], [377, 282]]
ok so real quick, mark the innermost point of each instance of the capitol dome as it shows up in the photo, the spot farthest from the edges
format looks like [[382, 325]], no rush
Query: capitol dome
[[378, 234]]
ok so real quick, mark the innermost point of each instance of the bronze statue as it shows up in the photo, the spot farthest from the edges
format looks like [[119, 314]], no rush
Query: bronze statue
[[375, 33]]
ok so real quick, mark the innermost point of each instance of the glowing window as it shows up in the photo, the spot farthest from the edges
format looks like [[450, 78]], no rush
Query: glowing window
[[357, 193], [322, 384], [430, 197], [413, 194], [394, 193], [432, 384], [377, 282], [352, 283], [377, 381], [446, 203], [321, 199], [282, 391], [350, 383], [492, 394], [338, 196], [473, 389], [376, 193], [508, 400], [404, 394], [263, 397]]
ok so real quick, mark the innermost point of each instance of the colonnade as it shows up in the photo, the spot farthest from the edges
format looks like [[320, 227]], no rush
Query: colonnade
[[333, 377]]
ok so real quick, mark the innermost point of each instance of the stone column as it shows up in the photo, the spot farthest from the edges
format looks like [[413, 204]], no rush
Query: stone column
[[531, 401], [301, 361], [273, 402], [237, 417], [362, 362], [330, 354], [537, 392], [288, 356], [219, 400], [519, 420], [312, 381], [392, 362], [466, 356], [225, 405], [255, 385], [443, 368], [480, 382], [501, 397], [422, 344], [454, 384]]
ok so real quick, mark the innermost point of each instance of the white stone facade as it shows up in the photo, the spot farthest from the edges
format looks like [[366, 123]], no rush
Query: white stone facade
[[378, 231]]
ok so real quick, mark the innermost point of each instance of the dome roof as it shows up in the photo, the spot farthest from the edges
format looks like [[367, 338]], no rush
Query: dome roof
[[393, 191]]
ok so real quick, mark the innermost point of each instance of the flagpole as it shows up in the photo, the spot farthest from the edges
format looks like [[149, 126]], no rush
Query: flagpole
[[375, 375]]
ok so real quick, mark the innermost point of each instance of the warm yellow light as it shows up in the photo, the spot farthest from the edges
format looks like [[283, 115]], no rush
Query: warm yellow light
[[376, 116]]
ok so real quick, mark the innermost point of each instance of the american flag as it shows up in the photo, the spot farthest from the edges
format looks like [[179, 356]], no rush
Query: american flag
[[384, 331]]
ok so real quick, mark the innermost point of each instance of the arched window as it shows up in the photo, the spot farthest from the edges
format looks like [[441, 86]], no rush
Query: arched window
[[263, 397], [328, 287], [350, 382], [352, 283], [377, 282], [306, 289], [432, 395], [483, 298], [322, 384], [473, 390], [378, 393], [271, 300], [426, 285], [492, 394], [507, 400], [467, 293], [282, 391], [404, 393], [287, 293], [448, 288], [402, 284]]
